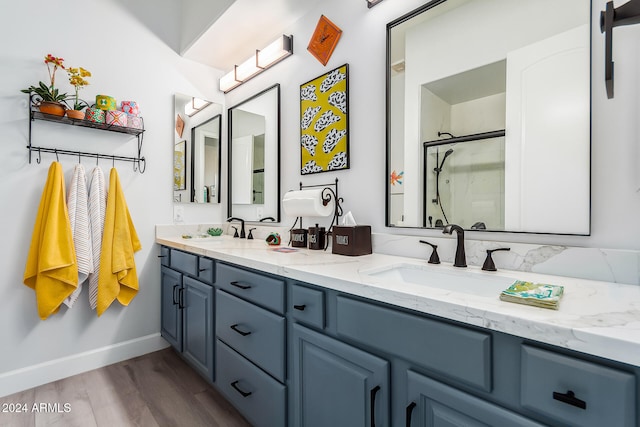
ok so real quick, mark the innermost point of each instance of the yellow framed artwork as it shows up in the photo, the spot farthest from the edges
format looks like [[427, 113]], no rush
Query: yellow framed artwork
[[324, 122], [179, 166]]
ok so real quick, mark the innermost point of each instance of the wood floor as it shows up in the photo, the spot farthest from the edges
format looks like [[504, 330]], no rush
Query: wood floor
[[157, 389]]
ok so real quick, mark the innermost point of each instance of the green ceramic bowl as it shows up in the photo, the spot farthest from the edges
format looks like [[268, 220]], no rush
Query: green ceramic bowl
[[214, 231]]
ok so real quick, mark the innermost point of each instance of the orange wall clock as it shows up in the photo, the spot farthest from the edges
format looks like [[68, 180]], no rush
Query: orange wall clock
[[324, 40]]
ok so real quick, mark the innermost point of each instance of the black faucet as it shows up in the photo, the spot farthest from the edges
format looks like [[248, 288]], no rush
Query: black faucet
[[461, 259], [242, 233], [267, 218]]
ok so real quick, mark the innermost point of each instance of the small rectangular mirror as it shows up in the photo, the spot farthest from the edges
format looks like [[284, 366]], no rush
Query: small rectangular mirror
[[254, 157], [197, 159]]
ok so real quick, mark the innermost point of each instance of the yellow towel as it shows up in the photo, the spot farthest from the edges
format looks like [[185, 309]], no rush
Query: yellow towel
[[117, 277], [51, 269]]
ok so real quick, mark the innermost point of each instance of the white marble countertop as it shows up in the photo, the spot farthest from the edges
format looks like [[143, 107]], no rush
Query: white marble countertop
[[598, 318]]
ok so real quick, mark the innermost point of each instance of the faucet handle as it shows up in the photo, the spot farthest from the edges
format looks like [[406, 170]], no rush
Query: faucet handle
[[434, 258], [235, 234], [250, 236], [489, 265]]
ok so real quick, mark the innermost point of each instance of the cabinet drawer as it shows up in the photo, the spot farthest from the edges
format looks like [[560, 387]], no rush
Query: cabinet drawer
[[206, 270], [184, 262], [252, 331], [457, 352], [260, 398], [575, 392], [263, 290], [164, 255], [307, 305]]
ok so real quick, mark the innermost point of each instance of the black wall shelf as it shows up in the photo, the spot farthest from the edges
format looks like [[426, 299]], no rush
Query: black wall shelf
[[139, 162]]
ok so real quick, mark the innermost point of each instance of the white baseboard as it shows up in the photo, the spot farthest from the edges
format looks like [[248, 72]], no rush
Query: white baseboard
[[53, 370]]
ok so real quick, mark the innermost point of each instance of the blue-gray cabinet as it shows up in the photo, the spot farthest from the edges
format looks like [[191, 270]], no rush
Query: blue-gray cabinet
[[187, 320], [433, 404], [296, 354], [171, 313], [251, 343], [335, 384]]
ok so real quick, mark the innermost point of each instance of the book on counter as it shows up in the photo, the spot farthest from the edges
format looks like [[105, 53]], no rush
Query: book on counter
[[536, 294]]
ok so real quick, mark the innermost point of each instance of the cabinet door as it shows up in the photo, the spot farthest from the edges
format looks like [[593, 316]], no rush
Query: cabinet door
[[336, 384], [433, 404], [170, 313], [198, 326]]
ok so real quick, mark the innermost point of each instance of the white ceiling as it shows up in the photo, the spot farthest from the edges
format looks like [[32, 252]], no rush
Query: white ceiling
[[245, 26]]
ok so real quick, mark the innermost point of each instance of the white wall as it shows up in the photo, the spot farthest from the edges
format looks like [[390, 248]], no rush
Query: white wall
[[134, 64], [615, 151]]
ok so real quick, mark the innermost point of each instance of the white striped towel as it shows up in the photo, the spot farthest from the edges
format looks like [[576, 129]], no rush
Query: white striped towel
[[97, 209], [78, 206]]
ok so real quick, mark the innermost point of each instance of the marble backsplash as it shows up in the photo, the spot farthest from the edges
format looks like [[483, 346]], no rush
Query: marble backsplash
[[609, 265]]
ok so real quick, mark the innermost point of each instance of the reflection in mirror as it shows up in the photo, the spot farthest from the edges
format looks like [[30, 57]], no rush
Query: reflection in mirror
[[198, 130], [254, 153], [488, 117]]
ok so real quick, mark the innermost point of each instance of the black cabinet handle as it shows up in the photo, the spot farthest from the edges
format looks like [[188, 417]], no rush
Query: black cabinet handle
[[300, 307], [243, 333], [202, 269], [162, 256], [174, 294], [240, 285], [570, 398], [236, 388], [409, 412], [181, 298], [374, 391]]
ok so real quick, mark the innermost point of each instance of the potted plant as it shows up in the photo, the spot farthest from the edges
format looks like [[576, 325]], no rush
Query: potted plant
[[77, 80], [48, 99]]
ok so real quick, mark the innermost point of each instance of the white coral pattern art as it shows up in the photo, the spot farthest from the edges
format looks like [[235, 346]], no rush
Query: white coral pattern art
[[339, 161], [308, 116], [309, 143], [308, 93], [332, 79], [326, 119], [339, 100], [311, 167], [332, 139]]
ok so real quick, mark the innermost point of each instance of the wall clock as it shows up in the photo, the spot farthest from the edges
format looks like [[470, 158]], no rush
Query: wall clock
[[324, 40]]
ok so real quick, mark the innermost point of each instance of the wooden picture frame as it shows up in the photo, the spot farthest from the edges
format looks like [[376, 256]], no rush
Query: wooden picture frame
[[324, 122], [324, 40], [180, 166], [179, 125]]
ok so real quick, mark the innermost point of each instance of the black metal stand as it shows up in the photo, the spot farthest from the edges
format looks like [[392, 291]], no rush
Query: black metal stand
[[328, 194], [139, 162]]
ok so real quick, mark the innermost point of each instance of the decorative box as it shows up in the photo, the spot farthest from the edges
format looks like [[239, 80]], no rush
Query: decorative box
[[299, 238], [116, 118], [135, 122], [351, 240], [105, 102], [130, 107], [95, 115]]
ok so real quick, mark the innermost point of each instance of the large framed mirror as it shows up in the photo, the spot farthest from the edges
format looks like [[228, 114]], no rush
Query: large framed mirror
[[489, 116], [254, 157], [197, 159]]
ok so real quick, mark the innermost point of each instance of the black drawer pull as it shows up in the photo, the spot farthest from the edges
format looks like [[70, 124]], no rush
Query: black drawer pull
[[202, 269], [239, 285], [181, 298], [570, 399], [243, 393], [300, 307], [243, 333], [175, 300], [409, 412], [162, 256], [373, 405]]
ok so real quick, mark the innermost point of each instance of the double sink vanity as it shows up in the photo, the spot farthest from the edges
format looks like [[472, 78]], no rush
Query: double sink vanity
[[309, 338]]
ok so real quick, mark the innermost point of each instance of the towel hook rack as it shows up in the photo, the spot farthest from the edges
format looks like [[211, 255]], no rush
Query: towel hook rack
[[57, 158], [113, 161], [79, 161], [97, 157], [39, 159]]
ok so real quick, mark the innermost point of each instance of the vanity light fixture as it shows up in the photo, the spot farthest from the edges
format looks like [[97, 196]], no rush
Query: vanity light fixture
[[195, 106], [371, 3], [263, 59]]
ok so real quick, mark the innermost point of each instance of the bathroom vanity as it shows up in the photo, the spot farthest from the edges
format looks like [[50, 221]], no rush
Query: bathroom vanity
[[308, 338]]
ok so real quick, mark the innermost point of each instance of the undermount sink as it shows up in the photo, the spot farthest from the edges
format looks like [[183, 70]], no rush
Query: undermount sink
[[468, 282]]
